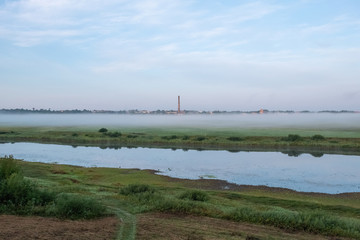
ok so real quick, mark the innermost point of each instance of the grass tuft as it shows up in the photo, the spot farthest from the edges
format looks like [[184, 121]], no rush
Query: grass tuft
[[195, 195], [76, 207], [136, 189]]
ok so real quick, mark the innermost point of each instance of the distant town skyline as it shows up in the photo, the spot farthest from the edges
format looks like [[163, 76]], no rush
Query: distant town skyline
[[216, 55]]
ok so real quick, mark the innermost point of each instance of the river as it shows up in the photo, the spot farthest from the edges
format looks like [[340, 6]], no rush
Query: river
[[306, 173]]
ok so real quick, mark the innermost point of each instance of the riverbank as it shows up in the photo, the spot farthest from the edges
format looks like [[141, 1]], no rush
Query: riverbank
[[293, 141], [146, 198]]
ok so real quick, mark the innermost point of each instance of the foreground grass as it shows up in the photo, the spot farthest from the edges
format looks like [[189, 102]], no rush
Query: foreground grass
[[137, 192], [341, 141], [19, 195]]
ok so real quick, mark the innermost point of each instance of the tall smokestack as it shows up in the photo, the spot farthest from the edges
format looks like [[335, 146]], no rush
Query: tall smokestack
[[178, 104]]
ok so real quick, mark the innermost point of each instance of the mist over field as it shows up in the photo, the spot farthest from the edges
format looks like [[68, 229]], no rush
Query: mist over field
[[273, 120]]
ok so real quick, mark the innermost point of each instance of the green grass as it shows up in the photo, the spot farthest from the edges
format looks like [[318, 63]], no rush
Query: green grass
[[131, 191], [329, 141], [288, 215], [19, 195]]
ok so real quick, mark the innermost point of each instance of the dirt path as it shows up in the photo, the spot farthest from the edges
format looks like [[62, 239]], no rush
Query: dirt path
[[127, 229], [16, 228]]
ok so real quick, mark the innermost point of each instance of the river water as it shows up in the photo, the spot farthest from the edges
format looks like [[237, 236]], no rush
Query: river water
[[326, 174]]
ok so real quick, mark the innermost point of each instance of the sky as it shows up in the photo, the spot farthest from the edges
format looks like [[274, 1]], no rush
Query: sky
[[217, 55]]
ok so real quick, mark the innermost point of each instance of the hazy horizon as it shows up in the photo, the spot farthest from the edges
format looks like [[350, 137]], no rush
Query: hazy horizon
[[225, 55], [318, 121]]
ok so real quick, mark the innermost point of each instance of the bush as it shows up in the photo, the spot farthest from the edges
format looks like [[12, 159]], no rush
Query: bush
[[76, 207], [113, 134], [176, 206], [8, 166], [195, 195], [16, 190], [235, 139], [137, 188], [17, 194], [21, 196], [170, 137], [103, 130], [200, 138], [185, 137], [318, 137], [292, 138]]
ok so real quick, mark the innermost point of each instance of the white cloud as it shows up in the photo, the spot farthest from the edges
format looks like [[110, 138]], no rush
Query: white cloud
[[187, 45], [246, 12]]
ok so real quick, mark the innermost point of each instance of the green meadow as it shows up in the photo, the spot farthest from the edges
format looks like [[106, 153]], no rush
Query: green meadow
[[345, 141], [131, 193]]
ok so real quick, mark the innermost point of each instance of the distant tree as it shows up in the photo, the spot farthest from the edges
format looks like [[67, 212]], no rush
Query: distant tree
[[103, 130]]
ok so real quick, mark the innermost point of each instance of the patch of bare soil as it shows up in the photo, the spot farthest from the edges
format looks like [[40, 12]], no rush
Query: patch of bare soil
[[16, 228], [175, 227]]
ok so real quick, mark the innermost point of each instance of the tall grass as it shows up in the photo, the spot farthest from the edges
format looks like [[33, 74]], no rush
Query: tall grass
[[313, 222], [147, 198], [195, 195], [19, 195], [8, 166], [73, 206]]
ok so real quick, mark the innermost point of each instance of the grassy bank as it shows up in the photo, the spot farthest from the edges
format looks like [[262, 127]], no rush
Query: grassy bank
[[225, 139], [137, 192], [19, 195]]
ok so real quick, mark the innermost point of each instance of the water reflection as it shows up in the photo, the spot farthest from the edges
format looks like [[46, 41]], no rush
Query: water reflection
[[294, 153], [290, 153], [318, 155]]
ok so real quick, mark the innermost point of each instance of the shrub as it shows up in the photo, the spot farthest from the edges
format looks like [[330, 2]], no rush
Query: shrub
[[76, 207], [113, 134], [292, 138], [170, 137], [195, 195], [318, 137], [175, 206], [185, 137], [136, 188], [200, 138], [17, 194], [16, 190], [8, 166], [235, 139], [103, 130]]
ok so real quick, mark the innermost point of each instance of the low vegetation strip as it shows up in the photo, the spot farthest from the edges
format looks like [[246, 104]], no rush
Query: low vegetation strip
[[19, 195], [314, 222], [198, 203], [106, 138]]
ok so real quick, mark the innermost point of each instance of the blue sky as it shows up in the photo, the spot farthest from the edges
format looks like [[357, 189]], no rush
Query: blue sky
[[218, 55]]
